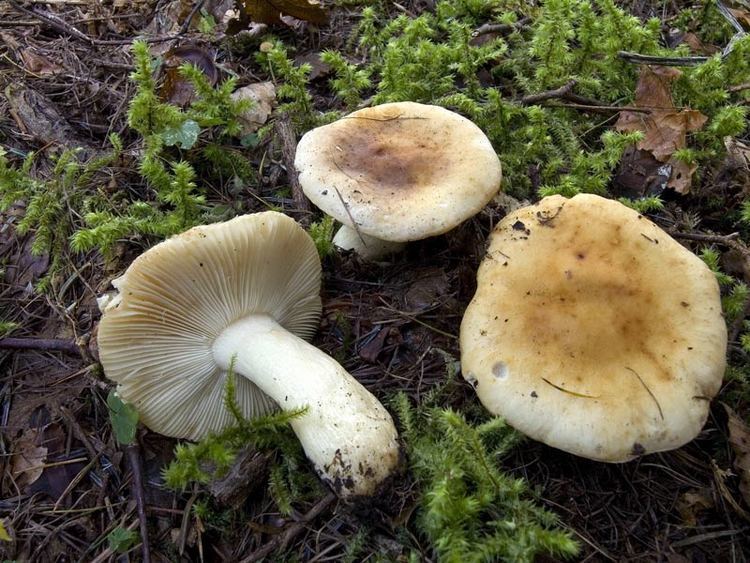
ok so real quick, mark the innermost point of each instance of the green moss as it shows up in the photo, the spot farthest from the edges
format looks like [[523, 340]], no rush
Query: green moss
[[469, 508]]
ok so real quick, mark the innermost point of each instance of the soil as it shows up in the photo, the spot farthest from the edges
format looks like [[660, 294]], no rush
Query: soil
[[64, 68]]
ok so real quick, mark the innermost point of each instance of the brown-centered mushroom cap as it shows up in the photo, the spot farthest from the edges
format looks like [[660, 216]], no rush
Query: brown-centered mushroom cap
[[401, 171], [594, 331]]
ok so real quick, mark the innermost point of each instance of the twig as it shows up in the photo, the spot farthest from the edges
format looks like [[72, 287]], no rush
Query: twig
[[693, 60], [46, 344], [64, 27], [134, 458], [739, 87], [730, 240], [285, 131], [725, 240], [604, 109], [560, 92], [186, 24], [488, 28], [282, 540], [655, 60]]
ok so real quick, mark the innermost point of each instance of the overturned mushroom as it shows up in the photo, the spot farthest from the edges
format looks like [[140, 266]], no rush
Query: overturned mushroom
[[246, 289], [397, 172], [593, 331]]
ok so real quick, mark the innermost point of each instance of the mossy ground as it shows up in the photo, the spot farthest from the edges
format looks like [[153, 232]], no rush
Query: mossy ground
[[117, 175]]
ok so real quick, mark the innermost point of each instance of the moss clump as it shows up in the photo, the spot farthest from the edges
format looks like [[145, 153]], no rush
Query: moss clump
[[469, 508]]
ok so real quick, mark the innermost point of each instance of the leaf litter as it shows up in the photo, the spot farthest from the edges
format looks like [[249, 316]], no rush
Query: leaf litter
[[618, 510], [664, 127]]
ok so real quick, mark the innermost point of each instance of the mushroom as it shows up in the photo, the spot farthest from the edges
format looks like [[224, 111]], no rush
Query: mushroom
[[397, 172], [244, 291], [594, 331]]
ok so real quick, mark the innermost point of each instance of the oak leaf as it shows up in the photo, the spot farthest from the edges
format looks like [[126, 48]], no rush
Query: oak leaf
[[664, 127]]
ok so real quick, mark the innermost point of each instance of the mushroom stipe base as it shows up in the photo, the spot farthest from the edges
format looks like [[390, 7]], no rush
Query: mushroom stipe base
[[345, 429]]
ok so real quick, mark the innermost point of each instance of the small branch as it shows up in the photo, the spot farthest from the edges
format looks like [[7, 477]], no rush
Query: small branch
[[739, 87], [560, 92], [62, 26], [694, 60], [285, 131], [134, 458], [186, 24], [282, 540], [731, 240], [603, 109], [499, 28], [725, 240], [655, 60], [45, 344]]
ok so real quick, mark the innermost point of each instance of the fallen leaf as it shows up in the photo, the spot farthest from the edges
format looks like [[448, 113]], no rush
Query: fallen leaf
[[37, 115], [664, 128], [4, 535], [184, 136], [738, 155], [742, 15], [270, 11], [263, 96], [429, 290], [639, 174], [124, 419], [372, 346], [691, 503], [176, 89], [27, 463], [681, 177], [39, 65], [739, 439], [318, 69], [697, 46]]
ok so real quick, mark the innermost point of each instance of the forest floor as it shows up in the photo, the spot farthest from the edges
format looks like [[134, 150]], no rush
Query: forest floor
[[67, 485]]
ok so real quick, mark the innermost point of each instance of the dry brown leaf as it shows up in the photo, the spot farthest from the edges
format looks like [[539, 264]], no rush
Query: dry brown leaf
[[691, 503], [27, 463], [263, 95], [681, 177], [39, 65], [270, 11], [697, 46], [739, 439], [664, 127], [738, 154], [742, 15], [654, 88], [176, 89]]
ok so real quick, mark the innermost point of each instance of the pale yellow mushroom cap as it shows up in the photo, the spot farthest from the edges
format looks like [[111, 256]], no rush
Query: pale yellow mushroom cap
[[156, 336], [401, 171], [594, 331]]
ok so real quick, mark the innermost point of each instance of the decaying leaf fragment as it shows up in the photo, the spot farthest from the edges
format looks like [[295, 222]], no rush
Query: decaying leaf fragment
[[270, 11], [739, 439], [27, 463], [263, 96], [176, 89], [664, 127]]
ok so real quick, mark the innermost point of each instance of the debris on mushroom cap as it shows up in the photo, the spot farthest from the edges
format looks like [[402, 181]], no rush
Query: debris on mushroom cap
[[594, 331], [156, 336], [401, 171]]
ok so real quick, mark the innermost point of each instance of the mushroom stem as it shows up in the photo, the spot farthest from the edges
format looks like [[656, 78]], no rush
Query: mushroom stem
[[368, 247], [346, 432]]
